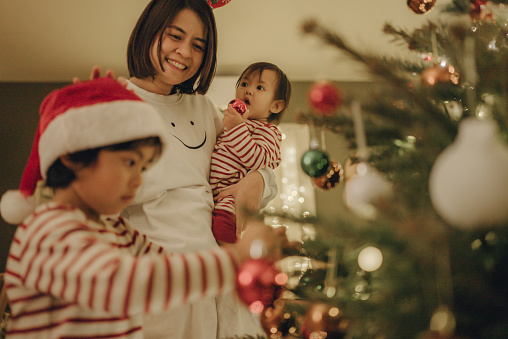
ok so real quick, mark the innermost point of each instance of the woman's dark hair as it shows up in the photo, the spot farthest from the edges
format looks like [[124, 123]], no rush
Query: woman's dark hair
[[60, 176], [149, 29], [282, 90]]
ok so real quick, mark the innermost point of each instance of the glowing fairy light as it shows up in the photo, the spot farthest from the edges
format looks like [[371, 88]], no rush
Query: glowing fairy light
[[370, 259]]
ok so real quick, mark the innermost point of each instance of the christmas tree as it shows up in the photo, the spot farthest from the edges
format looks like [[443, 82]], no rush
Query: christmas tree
[[423, 252]]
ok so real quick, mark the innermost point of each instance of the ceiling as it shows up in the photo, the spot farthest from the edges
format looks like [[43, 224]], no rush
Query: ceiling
[[55, 40]]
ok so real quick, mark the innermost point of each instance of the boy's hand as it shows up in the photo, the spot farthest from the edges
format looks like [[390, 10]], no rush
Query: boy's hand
[[271, 239], [232, 118], [96, 74]]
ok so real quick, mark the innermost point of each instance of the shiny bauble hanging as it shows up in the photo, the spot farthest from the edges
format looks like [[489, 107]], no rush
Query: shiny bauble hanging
[[438, 73], [331, 178], [478, 9], [259, 283], [324, 97], [420, 6], [468, 183], [325, 321], [315, 163]]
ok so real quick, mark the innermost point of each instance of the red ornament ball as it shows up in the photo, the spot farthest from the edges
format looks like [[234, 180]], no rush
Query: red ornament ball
[[324, 97], [238, 105], [331, 179], [259, 283], [325, 321], [478, 9]]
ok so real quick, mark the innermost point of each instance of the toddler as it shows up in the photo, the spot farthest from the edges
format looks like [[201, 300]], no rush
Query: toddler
[[249, 142]]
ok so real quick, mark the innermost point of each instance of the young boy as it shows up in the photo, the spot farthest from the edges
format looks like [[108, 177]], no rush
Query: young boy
[[250, 141], [77, 269]]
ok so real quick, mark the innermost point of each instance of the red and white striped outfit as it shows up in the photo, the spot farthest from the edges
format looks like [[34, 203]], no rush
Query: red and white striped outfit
[[248, 146], [67, 276]]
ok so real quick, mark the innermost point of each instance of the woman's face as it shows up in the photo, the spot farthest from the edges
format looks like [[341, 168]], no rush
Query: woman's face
[[182, 48]]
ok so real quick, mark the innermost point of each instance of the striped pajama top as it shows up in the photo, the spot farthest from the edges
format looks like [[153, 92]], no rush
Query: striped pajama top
[[252, 145]]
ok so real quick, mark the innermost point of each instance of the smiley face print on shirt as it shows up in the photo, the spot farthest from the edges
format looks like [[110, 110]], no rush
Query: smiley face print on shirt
[[190, 144]]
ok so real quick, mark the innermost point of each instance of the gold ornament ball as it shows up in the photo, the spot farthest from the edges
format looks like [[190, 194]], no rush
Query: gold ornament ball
[[420, 6], [331, 178]]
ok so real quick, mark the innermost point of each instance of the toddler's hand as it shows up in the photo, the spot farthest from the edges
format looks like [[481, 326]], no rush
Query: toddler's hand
[[232, 118]]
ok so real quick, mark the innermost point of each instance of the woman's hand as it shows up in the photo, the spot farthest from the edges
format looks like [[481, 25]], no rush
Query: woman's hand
[[247, 194]]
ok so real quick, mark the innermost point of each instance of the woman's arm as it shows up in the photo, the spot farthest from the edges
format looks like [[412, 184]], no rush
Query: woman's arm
[[251, 194]]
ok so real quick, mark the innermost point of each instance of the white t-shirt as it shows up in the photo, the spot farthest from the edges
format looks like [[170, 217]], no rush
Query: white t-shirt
[[174, 208]]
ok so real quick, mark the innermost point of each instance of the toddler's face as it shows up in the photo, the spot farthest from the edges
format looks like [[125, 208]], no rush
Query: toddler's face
[[258, 92]]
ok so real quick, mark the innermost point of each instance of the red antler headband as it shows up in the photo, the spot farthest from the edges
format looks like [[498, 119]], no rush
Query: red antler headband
[[217, 3]]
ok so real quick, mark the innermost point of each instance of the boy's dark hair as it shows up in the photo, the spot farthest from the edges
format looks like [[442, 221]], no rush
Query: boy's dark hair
[[60, 176], [282, 90], [157, 16]]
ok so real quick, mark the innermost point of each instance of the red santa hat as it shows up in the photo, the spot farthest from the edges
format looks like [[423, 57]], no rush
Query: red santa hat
[[81, 116]]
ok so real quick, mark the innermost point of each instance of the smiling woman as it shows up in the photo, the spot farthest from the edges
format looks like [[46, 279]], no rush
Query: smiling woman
[[172, 59]]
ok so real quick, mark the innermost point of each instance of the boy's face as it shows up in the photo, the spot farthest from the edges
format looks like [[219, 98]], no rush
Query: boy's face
[[258, 92], [109, 185]]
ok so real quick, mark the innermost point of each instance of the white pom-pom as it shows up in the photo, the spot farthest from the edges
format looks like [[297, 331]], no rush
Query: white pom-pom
[[15, 207]]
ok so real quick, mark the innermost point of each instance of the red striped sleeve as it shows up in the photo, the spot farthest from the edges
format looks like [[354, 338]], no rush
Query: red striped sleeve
[[129, 290], [220, 273], [149, 288], [169, 278], [187, 281], [204, 275]]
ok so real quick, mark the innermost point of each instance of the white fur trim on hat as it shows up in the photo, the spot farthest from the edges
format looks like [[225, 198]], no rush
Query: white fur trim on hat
[[98, 125]]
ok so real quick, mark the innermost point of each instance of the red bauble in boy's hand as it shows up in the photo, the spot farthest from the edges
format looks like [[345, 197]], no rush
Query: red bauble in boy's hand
[[259, 283], [238, 105], [324, 97]]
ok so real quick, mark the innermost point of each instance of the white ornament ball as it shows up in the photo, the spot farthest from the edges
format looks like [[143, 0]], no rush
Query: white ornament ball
[[365, 189], [468, 183]]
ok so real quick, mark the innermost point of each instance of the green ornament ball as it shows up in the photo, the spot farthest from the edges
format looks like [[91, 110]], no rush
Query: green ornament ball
[[315, 163]]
